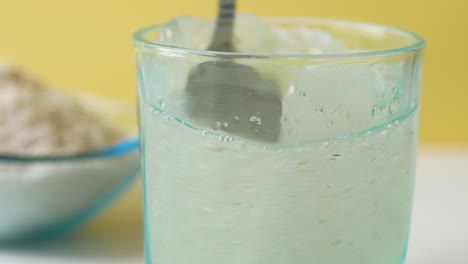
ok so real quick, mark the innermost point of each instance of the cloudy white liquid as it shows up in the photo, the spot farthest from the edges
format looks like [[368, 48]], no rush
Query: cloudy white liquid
[[342, 201]]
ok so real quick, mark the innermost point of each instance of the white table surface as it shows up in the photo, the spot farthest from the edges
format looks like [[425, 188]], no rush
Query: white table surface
[[439, 230]]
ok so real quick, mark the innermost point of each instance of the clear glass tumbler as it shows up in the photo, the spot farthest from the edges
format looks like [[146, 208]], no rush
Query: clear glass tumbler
[[335, 187]]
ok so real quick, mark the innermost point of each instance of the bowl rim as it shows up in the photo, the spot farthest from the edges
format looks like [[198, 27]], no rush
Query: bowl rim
[[121, 148]]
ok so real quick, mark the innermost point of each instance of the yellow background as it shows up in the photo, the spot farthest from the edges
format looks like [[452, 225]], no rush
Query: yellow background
[[85, 44]]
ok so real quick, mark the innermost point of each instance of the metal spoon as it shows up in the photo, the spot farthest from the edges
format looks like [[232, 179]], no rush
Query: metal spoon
[[233, 97]]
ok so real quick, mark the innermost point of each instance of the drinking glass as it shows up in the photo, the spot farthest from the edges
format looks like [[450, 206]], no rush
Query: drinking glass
[[337, 185]]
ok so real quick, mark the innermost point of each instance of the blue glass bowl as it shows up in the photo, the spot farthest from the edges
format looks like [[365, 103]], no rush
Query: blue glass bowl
[[47, 197]]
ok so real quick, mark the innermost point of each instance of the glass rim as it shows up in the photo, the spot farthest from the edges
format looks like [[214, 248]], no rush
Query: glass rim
[[418, 44]]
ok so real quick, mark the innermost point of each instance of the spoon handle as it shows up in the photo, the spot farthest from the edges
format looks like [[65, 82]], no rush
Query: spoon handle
[[222, 38]]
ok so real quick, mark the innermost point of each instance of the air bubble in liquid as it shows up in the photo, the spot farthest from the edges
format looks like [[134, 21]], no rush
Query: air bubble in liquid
[[216, 125], [226, 138], [394, 105], [162, 103], [378, 111], [255, 119]]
